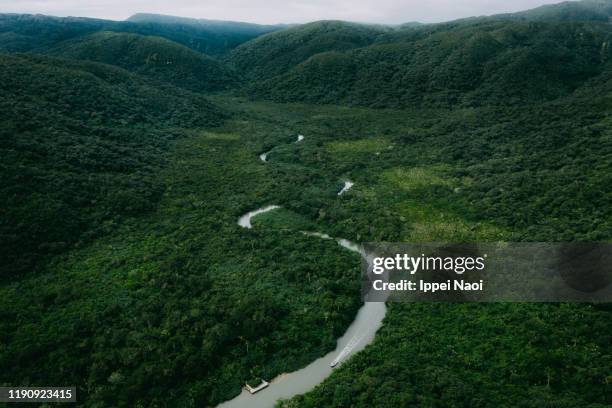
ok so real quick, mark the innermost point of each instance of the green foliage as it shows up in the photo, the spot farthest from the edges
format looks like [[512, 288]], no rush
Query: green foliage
[[25, 32], [151, 57], [80, 145], [465, 355], [281, 219], [492, 63], [248, 30], [122, 268], [180, 306], [584, 10], [276, 53]]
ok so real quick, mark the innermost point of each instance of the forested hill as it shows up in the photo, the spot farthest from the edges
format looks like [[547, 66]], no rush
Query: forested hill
[[81, 143], [507, 59], [494, 62], [279, 52], [237, 28], [123, 270], [585, 10], [152, 57], [210, 37], [26, 32]]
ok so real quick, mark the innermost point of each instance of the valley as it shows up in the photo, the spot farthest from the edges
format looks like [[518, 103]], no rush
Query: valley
[[217, 309], [183, 201]]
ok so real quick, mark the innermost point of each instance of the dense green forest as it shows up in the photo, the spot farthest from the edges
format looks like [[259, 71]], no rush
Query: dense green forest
[[152, 57], [25, 32], [271, 55], [488, 63], [81, 143], [130, 149]]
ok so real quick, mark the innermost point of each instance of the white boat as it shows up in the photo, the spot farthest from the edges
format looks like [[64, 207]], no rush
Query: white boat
[[260, 387]]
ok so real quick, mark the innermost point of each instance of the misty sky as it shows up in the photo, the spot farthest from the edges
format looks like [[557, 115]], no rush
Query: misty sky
[[277, 11]]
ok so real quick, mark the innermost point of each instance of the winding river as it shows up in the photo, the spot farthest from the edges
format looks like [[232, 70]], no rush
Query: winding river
[[359, 334], [264, 156], [245, 220]]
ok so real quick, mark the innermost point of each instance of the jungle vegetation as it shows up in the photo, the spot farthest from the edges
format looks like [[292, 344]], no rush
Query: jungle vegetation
[[123, 270]]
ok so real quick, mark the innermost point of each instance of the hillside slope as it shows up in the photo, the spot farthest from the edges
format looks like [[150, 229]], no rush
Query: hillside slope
[[124, 270], [585, 10], [81, 144], [237, 28], [277, 53], [26, 32], [152, 57], [211, 37], [497, 62]]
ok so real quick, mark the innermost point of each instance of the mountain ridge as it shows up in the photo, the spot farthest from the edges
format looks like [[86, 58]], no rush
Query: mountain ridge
[[150, 56], [37, 32]]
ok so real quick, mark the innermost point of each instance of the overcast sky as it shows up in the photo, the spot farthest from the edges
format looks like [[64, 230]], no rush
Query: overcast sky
[[277, 11]]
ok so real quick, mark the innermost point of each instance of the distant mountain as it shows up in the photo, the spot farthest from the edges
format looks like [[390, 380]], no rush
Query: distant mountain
[[277, 53], [586, 10], [221, 26], [506, 59], [207, 36], [26, 32], [411, 24], [153, 57]]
